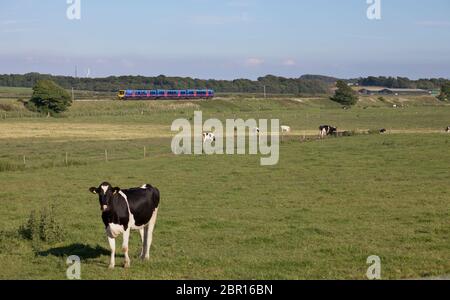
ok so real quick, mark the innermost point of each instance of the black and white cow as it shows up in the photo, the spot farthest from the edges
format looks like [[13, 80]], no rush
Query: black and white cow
[[123, 210], [208, 137], [325, 130], [447, 129]]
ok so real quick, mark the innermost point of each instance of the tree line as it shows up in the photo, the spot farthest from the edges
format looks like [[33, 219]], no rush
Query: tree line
[[307, 84], [402, 82]]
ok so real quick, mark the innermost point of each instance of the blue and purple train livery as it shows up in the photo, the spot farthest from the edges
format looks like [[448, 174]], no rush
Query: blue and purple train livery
[[165, 94]]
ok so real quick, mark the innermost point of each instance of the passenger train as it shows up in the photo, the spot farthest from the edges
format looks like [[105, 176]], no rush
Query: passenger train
[[165, 94]]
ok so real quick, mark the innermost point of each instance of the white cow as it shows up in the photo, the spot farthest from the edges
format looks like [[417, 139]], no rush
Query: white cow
[[208, 137]]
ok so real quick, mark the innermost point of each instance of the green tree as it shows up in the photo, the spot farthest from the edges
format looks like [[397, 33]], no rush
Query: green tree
[[344, 94], [49, 98], [445, 92]]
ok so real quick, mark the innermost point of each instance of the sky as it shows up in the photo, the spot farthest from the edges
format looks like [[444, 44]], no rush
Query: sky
[[226, 39]]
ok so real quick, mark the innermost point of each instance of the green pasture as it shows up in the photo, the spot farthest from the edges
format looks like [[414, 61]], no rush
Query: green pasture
[[318, 214]]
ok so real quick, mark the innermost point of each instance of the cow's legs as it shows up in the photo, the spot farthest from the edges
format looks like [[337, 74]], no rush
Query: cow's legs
[[141, 232], [148, 234], [112, 245], [126, 238]]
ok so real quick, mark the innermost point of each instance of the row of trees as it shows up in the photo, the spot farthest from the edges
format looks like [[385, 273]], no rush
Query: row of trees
[[50, 98], [308, 84], [402, 82]]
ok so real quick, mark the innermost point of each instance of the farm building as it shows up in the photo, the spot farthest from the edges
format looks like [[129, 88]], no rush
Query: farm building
[[396, 92]]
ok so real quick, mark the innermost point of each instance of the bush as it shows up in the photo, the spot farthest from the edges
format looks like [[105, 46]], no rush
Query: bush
[[349, 133], [42, 227], [49, 98], [6, 107], [344, 94], [374, 131]]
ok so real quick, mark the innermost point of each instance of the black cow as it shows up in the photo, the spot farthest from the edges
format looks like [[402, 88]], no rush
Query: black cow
[[447, 129], [383, 130], [327, 130], [123, 210]]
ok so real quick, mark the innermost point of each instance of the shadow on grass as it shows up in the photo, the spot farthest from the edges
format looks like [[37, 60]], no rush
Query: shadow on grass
[[83, 251]]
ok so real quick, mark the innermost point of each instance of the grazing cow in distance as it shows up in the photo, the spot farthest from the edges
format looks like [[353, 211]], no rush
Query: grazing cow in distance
[[123, 210], [383, 130], [325, 130], [208, 137], [285, 129], [447, 129]]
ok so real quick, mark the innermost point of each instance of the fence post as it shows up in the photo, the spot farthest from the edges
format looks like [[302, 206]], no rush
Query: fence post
[[106, 155]]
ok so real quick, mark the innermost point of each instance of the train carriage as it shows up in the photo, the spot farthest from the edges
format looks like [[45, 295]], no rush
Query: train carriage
[[165, 94]]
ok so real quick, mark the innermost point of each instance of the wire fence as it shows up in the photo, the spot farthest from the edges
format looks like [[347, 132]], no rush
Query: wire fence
[[10, 163]]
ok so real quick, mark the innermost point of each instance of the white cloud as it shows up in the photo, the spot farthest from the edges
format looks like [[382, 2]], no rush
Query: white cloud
[[289, 63], [254, 62]]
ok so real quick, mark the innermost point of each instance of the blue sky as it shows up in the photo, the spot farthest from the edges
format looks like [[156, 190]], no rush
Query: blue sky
[[226, 39]]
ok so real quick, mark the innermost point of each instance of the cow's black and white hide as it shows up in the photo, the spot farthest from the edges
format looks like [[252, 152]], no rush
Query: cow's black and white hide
[[208, 137], [123, 210], [325, 130]]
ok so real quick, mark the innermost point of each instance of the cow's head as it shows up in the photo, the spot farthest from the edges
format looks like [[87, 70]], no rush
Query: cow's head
[[105, 194]]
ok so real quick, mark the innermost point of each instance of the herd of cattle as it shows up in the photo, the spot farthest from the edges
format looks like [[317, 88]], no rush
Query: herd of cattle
[[137, 208]]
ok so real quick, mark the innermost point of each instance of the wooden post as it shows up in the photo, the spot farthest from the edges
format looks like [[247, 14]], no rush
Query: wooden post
[[106, 155]]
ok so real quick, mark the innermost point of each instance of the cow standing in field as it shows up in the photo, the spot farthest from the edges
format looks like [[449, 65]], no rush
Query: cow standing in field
[[123, 210], [208, 137], [325, 130], [447, 129]]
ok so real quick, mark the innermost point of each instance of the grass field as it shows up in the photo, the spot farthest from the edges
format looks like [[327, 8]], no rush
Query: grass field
[[319, 213]]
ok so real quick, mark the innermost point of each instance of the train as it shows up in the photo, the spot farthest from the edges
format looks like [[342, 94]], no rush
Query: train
[[165, 94]]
